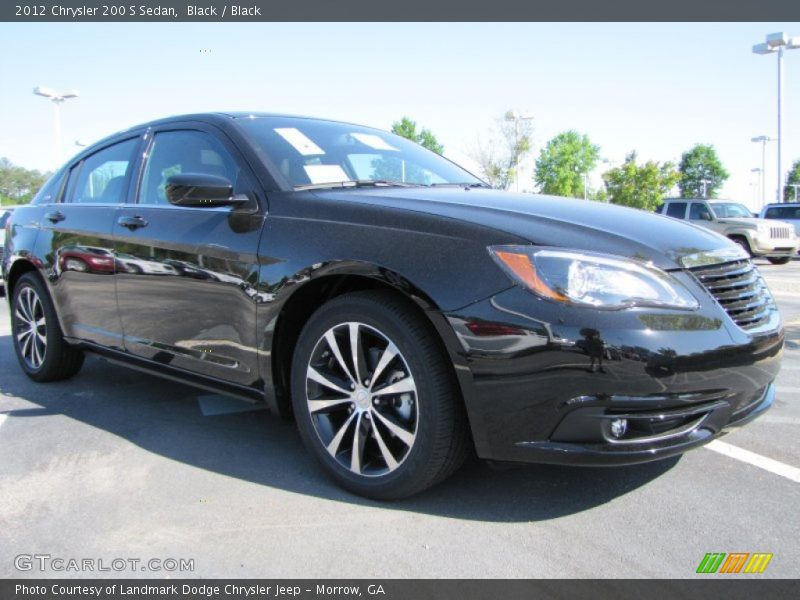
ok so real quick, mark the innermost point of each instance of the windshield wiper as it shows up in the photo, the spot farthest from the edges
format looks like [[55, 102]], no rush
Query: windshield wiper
[[477, 184], [356, 183]]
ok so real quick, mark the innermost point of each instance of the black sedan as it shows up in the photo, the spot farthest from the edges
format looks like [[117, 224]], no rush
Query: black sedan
[[398, 309]]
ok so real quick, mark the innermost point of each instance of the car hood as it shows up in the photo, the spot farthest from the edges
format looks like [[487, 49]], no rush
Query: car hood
[[746, 222], [553, 221]]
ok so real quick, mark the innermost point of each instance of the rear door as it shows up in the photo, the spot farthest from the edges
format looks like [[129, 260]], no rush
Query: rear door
[[77, 234], [186, 276]]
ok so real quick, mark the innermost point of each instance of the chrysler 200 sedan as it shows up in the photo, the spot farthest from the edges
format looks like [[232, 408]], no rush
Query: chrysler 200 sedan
[[400, 310]]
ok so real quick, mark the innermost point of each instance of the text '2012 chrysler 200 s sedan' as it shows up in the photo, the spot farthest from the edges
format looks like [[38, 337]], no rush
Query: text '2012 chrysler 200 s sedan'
[[402, 312]]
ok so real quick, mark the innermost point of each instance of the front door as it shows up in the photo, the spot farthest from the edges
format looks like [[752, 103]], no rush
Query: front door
[[186, 275]]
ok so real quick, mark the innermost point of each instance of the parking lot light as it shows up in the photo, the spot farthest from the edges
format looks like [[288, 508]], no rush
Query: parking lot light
[[57, 99], [775, 44], [763, 139]]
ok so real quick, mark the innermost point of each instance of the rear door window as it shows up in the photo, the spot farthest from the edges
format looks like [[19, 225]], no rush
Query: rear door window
[[676, 210], [103, 177]]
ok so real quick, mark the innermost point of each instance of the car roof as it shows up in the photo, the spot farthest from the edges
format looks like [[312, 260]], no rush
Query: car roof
[[771, 204], [702, 200], [220, 119], [223, 118]]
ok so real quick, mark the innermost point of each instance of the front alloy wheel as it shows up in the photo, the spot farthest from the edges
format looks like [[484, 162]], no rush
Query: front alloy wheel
[[375, 397], [362, 399]]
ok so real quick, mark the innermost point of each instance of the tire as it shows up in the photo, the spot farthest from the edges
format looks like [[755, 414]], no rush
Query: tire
[[42, 352], [409, 438], [743, 243], [779, 260]]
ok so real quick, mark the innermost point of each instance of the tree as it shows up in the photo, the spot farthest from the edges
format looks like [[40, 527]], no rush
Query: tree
[[501, 156], [564, 163], [408, 129], [791, 194], [17, 184], [702, 173], [640, 186]]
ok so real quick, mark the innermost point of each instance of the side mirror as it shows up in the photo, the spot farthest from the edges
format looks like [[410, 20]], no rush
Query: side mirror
[[706, 216], [199, 190]]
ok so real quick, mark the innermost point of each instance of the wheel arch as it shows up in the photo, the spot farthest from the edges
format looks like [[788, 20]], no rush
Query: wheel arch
[[307, 298], [737, 237], [18, 268]]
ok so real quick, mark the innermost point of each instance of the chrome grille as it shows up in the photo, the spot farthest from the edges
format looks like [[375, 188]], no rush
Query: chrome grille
[[738, 287], [2, 250], [779, 233]]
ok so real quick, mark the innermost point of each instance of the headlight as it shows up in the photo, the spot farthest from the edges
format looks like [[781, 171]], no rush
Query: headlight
[[588, 279], [763, 229]]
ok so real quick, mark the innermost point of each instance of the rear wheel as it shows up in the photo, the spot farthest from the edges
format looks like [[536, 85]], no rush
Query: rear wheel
[[42, 352], [779, 260], [374, 397]]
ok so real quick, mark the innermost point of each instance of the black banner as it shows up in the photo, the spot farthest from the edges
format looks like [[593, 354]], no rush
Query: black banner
[[731, 588], [408, 10]]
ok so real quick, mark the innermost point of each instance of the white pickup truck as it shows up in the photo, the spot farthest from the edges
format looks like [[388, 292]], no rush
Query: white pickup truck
[[774, 240]]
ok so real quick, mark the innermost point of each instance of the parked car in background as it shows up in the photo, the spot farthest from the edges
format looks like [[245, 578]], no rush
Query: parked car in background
[[399, 309], [86, 259], [788, 212], [775, 241], [5, 213], [138, 265]]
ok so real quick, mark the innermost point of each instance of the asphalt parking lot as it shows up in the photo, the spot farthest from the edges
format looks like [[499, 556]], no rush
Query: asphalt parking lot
[[117, 464]]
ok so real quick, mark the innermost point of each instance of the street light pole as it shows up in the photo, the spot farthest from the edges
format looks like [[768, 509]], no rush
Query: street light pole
[[57, 99], [763, 139], [775, 44], [780, 124], [759, 184]]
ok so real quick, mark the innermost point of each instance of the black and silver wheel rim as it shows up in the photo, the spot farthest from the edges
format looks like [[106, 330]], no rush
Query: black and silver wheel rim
[[362, 399], [31, 328]]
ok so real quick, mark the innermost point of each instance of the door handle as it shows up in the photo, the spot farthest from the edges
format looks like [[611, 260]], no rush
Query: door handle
[[132, 222], [55, 216]]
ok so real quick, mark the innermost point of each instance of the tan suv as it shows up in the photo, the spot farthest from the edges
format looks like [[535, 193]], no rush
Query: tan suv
[[774, 240]]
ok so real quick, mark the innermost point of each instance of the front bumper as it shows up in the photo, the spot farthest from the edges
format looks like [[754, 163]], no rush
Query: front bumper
[[543, 382], [710, 424], [765, 246]]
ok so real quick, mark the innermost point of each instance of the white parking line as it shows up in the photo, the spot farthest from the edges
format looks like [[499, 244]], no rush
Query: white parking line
[[779, 420], [785, 390], [762, 462], [2, 418]]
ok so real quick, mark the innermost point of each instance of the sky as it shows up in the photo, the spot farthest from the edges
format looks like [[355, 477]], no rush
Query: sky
[[654, 88]]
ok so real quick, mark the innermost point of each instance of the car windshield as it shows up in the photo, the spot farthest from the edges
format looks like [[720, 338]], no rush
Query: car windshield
[[726, 210], [312, 153]]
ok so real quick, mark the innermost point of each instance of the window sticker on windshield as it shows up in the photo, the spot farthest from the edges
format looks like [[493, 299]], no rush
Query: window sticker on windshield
[[373, 141], [325, 173], [299, 141]]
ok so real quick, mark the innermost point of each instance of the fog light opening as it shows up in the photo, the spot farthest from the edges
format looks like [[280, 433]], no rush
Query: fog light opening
[[619, 427]]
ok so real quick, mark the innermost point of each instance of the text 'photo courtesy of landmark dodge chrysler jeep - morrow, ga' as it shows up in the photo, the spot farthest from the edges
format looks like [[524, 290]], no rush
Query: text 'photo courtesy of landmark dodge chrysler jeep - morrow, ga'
[[774, 240], [402, 312]]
